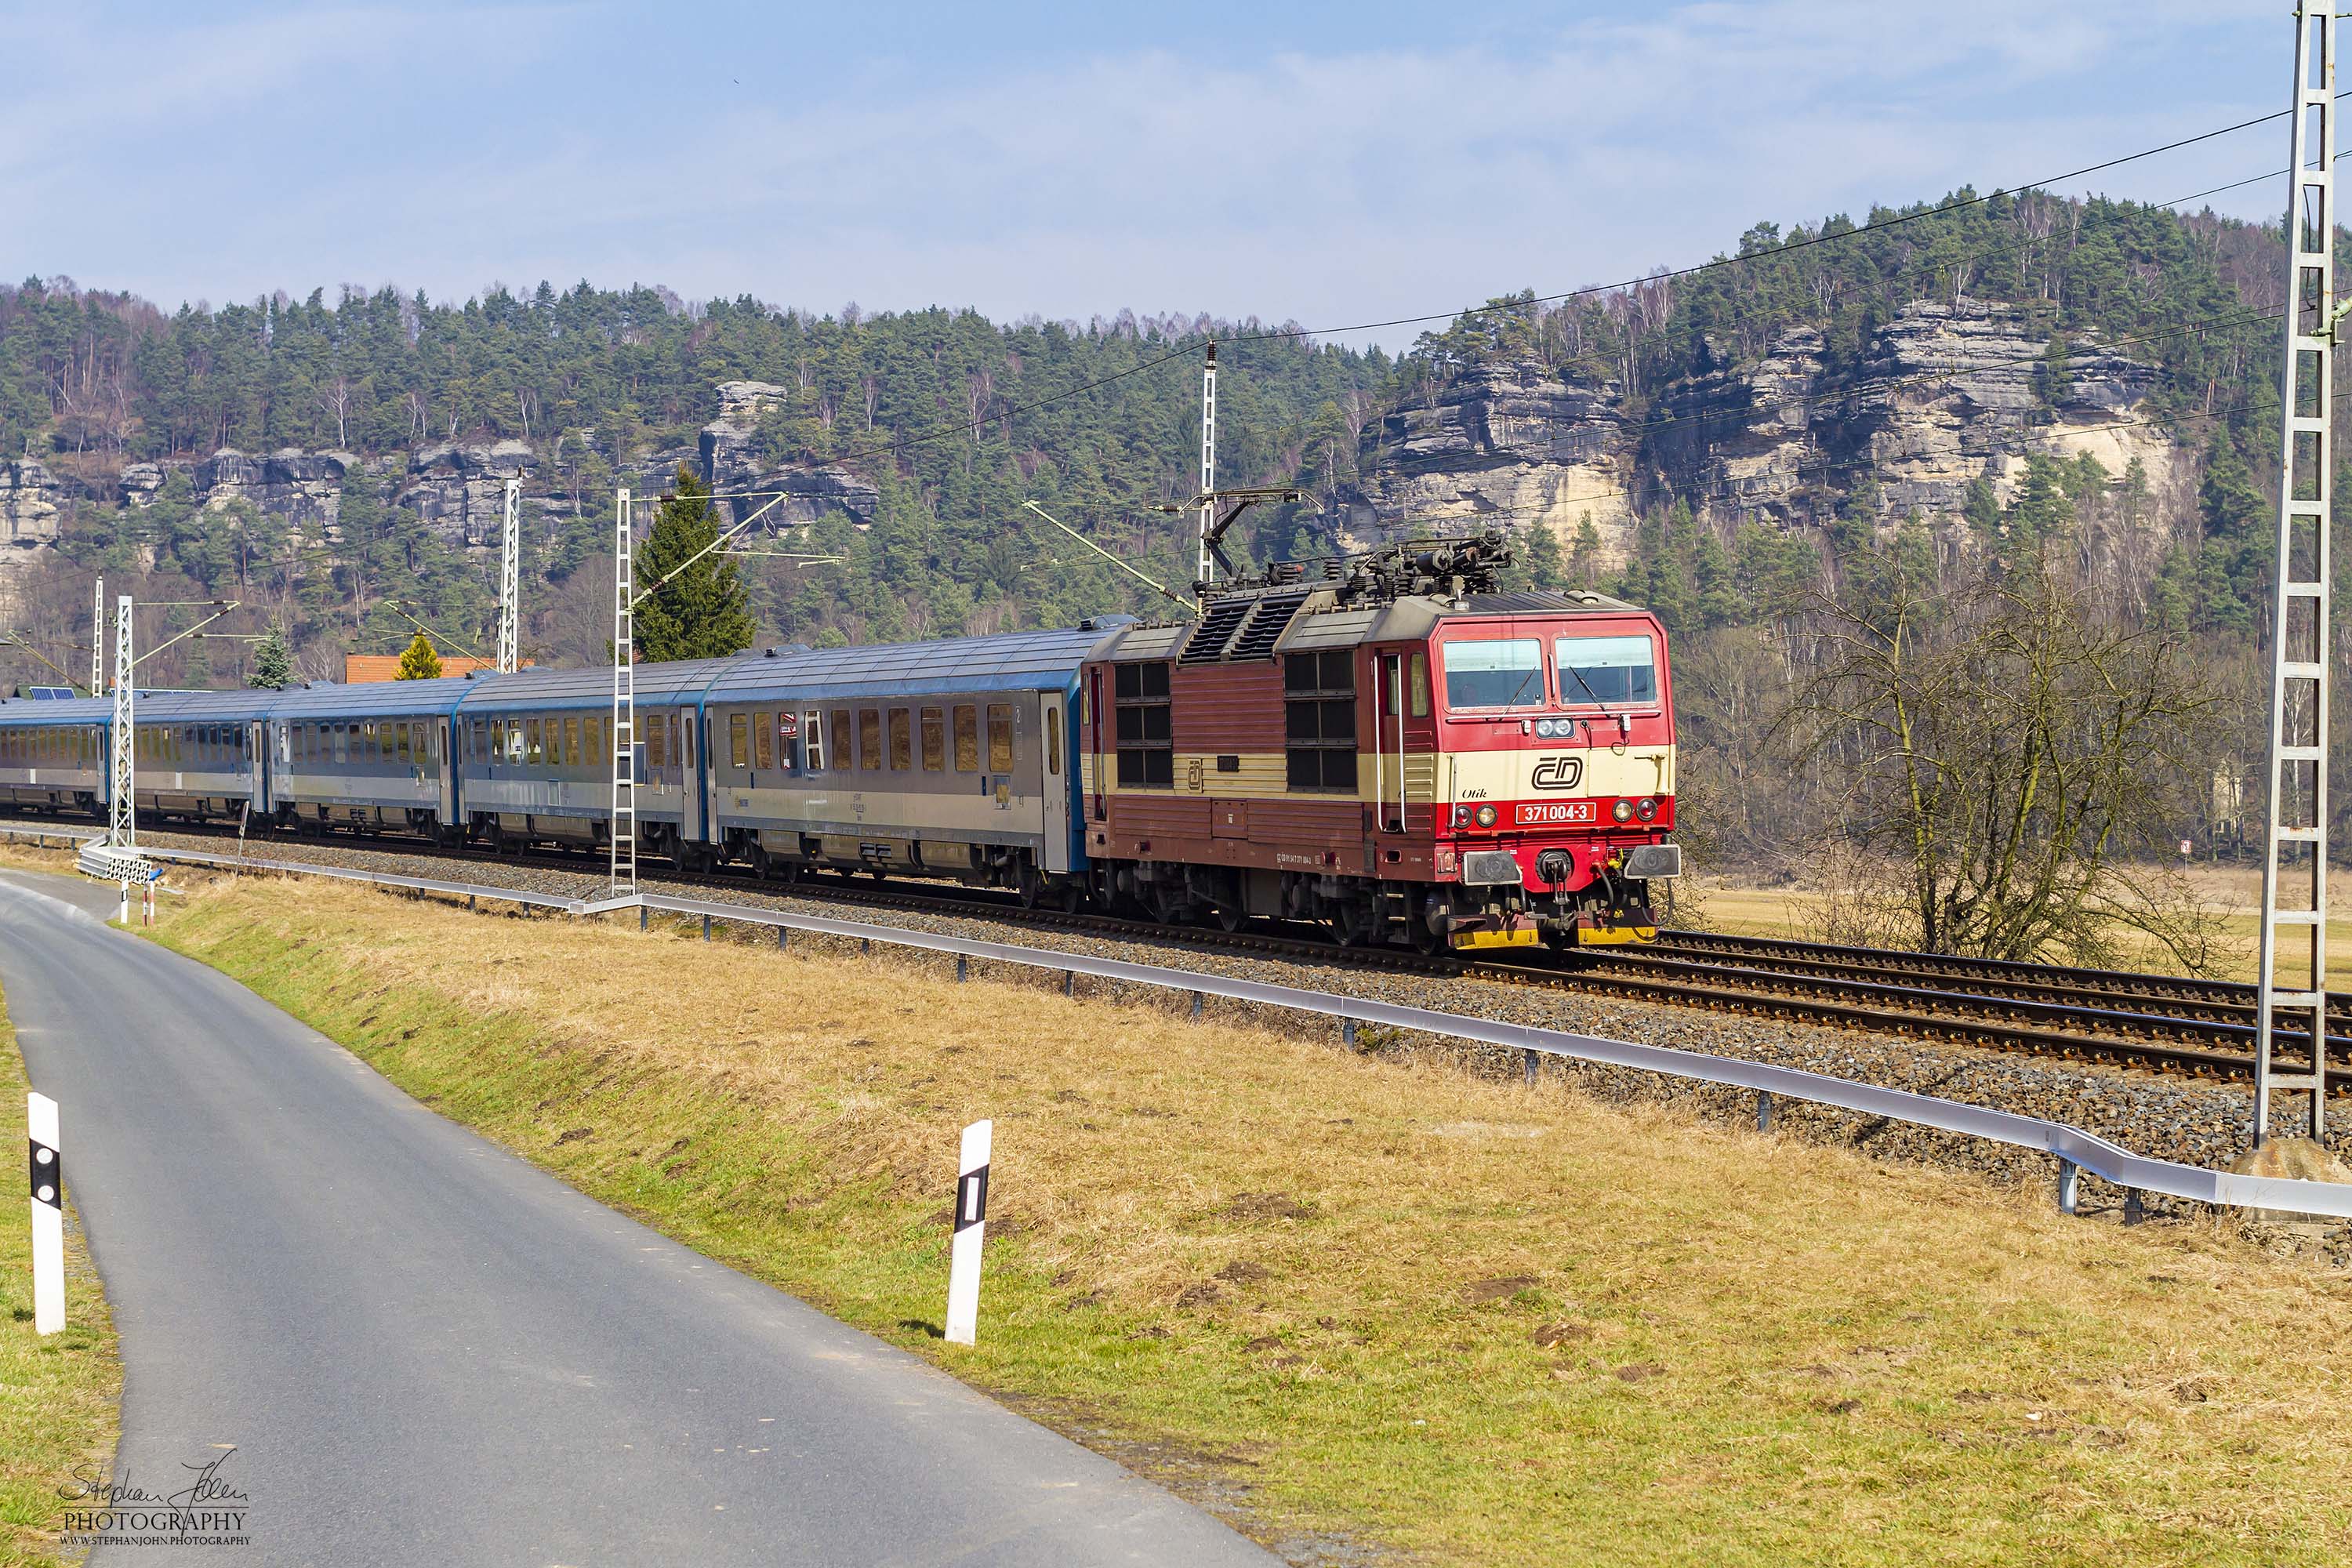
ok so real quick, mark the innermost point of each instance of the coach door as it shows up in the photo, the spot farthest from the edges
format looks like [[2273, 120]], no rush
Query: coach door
[[257, 737], [447, 781], [1055, 785], [687, 759]]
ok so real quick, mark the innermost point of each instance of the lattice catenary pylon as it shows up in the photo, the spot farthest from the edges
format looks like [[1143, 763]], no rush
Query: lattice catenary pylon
[[2293, 997]]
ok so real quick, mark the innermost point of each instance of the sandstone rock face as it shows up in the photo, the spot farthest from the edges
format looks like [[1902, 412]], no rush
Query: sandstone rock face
[[730, 460], [306, 488], [1509, 442], [460, 492], [1945, 393], [28, 505]]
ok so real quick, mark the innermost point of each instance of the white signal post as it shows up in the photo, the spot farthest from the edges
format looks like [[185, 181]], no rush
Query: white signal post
[[46, 1167], [1205, 571], [971, 1229], [624, 882], [122, 819], [511, 578], [2291, 986]]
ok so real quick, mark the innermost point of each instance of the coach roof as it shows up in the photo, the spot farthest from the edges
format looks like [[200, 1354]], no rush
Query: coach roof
[[1012, 661]]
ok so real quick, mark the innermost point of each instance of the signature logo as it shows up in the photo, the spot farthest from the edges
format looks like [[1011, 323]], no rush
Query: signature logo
[[1560, 773]]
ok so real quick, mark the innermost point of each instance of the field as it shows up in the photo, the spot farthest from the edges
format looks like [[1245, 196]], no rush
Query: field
[[1373, 1306], [2232, 894], [59, 1396]]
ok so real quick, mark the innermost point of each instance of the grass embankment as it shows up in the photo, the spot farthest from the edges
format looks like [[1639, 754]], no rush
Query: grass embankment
[[60, 1396], [1475, 1322]]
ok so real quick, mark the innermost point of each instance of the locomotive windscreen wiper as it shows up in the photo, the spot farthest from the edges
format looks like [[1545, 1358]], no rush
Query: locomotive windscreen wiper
[[1624, 725]]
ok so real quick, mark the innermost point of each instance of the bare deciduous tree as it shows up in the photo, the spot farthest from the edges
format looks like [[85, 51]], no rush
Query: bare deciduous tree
[[2010, 764]]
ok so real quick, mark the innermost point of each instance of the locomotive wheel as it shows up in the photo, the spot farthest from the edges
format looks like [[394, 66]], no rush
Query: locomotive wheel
[[1229, 919]]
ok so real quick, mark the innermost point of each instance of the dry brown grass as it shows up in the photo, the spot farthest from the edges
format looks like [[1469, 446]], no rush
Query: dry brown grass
[[1476, 1322], [60, 1396]]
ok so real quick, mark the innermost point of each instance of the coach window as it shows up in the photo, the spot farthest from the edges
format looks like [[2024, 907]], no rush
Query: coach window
[[1319, 711], [1053, 738], [400, 741], [788, 745], [812, 726], [967, 737], [534, 749], [571, 742], [1146, 756], [902, 739], [764, 731], [844, 757], [1506, 672], [869, 740], [739, 740], [935, 740], [593, 750], [657, 741], [1000, 737]]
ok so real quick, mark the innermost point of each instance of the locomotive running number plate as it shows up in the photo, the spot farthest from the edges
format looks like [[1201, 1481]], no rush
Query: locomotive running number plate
[[1539, 813]]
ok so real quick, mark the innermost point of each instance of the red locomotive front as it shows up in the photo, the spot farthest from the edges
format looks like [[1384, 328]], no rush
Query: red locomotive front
[[1400, 753]]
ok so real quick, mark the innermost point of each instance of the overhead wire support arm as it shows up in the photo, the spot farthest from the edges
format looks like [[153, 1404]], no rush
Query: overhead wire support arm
[[1176, 599], [220, 608], [656, 586]]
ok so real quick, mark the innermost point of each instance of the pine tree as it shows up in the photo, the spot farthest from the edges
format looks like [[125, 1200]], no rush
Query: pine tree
[[1542, 557], [420, 662], [273, 660], [1584, 563], [702, 608]]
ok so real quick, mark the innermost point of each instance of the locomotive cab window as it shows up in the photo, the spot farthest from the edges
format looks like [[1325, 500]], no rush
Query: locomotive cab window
[[1147, 754], [1318, 710], [1506, 672], [1605, 669]]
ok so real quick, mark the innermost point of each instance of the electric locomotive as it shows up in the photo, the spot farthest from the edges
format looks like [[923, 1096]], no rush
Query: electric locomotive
[[1398, 749]]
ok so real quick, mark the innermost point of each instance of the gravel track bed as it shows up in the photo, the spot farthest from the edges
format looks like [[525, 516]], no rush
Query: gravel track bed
[[2189, 1120]]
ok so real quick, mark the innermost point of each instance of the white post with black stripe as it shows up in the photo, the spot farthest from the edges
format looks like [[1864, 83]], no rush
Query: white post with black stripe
[[46, 1169], [971, 1226]]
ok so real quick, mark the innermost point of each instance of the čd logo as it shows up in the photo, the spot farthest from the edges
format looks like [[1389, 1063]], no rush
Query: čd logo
[[1560, 773]]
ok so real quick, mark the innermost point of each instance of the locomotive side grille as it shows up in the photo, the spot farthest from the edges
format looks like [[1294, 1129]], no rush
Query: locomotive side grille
[[1265, 626], [1214, 630]]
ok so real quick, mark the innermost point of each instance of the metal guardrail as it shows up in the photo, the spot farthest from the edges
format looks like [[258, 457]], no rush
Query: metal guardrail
[[2073, 1147]]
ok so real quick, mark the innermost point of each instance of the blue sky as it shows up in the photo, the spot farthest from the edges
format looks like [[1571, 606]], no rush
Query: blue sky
[[1322, 163]]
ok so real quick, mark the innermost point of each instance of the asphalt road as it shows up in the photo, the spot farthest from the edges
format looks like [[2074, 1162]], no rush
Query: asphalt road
[[413, 1347]]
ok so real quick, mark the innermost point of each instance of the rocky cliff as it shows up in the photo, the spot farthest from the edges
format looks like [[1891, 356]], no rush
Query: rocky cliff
[[1945, 393], [803, 494]]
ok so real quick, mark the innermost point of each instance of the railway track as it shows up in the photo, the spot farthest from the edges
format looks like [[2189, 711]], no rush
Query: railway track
[[2176, 1024]]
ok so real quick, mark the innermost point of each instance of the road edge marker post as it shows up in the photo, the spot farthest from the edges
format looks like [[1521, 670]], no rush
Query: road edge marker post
[[971, 1229], [46, 1169]]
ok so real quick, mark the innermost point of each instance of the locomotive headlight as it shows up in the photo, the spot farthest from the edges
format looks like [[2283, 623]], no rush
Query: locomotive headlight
[[1622, 811], [1647, 809], [1486, 816], [1547, 728]]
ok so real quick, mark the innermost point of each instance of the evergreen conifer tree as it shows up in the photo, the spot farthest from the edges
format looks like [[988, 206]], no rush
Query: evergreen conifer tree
[[702, 608], [420, 662], [1542, 558], [273, 660]]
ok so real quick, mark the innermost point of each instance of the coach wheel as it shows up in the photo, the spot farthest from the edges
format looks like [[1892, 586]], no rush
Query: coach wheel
[[760, 860]]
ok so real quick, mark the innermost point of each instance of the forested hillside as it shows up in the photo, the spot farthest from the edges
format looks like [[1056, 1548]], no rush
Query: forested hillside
[[381, 407]]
